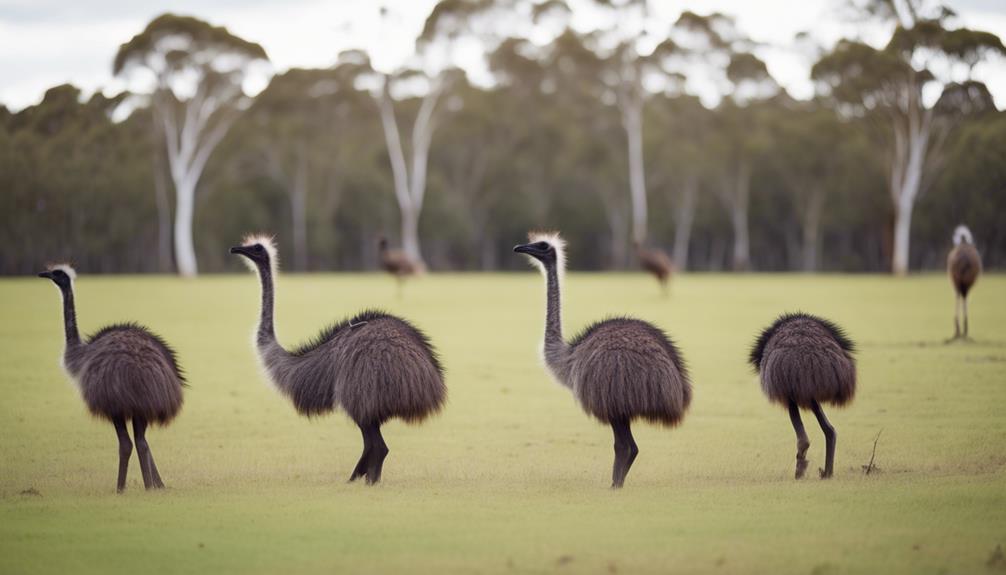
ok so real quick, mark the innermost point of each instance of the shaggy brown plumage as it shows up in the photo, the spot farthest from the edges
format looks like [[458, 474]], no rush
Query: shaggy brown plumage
[[964, 265], [374, 366], [125, 372], [619, 369], [804, 361], [657, 263]]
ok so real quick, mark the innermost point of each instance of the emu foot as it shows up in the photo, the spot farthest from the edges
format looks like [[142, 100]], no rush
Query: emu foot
[[825, 473], [801, 468]]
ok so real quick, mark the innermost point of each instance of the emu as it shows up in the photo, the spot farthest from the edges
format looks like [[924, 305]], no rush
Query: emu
[[124, 373], [964, 265], [375, 366], [397, 263], [657, 263], [619, 369], [804, 361]]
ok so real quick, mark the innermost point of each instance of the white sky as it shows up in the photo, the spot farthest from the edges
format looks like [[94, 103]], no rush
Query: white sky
[[44, 43]]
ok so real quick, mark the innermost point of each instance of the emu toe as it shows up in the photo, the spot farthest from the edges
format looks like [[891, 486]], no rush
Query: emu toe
[[801, 468], [825, 474]]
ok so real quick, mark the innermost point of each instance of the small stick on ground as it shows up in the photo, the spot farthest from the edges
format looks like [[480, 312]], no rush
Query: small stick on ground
[[868, 468]]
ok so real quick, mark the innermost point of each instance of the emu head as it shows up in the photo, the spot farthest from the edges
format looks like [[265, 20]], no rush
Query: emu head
[[963, 234], [61, 274], [545, 250], [259, 251]]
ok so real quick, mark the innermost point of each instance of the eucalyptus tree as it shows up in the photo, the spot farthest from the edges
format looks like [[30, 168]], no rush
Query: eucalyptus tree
[[194, 73], [679, 161], [744, 87], [894, 90]]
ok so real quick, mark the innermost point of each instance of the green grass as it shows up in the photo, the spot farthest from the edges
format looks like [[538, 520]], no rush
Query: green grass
[[513, 477]]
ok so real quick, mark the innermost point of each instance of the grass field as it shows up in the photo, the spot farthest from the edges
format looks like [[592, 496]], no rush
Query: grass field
[[513, 477]]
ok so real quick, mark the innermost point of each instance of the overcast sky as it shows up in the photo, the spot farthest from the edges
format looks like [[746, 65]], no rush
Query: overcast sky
[[44, 43]]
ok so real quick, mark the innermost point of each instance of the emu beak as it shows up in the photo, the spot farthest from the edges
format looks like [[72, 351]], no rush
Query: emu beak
[[46, 275], [239, 250], [523, 249]]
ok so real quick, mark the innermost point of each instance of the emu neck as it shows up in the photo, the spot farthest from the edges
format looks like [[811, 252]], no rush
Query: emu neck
[[70, 318], [266, 332], [555, 347]]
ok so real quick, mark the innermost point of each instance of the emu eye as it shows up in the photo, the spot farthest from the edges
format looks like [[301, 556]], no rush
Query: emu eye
[[259, 248], [542, 245]]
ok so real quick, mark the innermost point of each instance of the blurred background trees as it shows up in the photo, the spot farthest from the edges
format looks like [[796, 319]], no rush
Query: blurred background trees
[[603, 136]]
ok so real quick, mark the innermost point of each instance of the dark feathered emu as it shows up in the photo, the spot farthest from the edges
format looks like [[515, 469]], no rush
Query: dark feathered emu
[[804, 361], [397, 263], [618, 369], [125, 373], [964, 265], [374, 366], [657, 263]]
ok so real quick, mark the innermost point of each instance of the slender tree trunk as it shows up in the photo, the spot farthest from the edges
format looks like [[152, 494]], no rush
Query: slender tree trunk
[[189, 146], [683, 219], [911, 146], [739, 217], [163, 213], [632, 119], [298, 212], [410, 188], [185, 252], [812, 230]]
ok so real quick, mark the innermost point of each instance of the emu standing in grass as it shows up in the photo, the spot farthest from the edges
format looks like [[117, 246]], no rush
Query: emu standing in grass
[[805, 361], [657, 263], [124, 373], [964, 266], [375, 366], [619, 369], [397, 263]]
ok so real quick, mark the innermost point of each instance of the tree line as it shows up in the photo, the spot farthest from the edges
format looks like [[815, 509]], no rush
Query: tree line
[[598, 133]]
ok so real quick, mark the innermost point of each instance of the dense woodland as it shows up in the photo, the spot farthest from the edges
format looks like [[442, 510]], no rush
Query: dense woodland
[[548, 144]]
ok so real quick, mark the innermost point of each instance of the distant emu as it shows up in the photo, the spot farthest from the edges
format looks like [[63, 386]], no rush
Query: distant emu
[[657, 263], [374, 366], [125, 373], [805, 361], [397, 263], [964, 265], [619, 369]]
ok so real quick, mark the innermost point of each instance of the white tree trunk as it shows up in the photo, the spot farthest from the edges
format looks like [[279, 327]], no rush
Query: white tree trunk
[[739, 218], [185, 252], [632, 119], [189, 146], [905, 185], [410, 188], [683, 219]]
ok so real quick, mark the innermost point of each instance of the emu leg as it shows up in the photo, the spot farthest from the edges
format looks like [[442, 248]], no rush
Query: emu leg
[[378, 451], [802, 443], [957, 317], [151, 478], [830, 437], [361, 466], [125, 450], [625, 452], [964, 304]]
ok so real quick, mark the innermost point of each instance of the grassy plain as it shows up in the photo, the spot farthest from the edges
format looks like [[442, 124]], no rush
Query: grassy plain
[[512, 477]]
